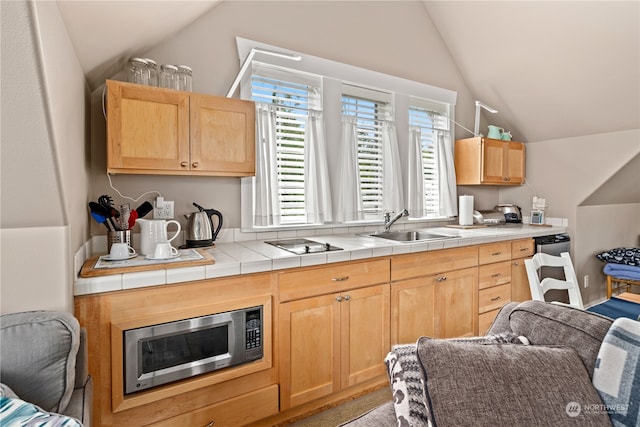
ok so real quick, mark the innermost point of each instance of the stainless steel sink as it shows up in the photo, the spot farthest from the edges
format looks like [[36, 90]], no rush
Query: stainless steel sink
[[412, 236]]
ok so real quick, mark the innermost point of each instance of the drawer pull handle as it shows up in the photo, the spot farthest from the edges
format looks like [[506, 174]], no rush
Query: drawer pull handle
[[524, 249], [210, 424], [441, 279], [496, 275], [339, 298], [340, 279], [496, 253], [496, 298]]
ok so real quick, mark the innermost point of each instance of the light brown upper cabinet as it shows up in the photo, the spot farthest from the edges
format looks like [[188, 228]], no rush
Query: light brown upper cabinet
[[159, 131], [486, 161]]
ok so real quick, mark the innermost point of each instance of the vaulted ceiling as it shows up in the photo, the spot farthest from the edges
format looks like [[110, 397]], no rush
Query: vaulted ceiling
[[553, 69]]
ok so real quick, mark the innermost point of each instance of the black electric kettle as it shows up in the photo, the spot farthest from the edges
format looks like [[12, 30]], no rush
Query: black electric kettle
[[199, 230]]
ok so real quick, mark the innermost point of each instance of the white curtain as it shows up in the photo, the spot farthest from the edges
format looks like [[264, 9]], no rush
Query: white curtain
[[317, 193], [447, 175], [392, 192], [349, 206], [415, 172], [266, 202]]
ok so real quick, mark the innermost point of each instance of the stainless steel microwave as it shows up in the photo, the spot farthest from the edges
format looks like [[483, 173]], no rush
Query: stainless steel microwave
[[167, 352]]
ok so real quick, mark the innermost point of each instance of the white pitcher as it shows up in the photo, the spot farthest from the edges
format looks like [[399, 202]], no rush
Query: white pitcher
[[153, 231]]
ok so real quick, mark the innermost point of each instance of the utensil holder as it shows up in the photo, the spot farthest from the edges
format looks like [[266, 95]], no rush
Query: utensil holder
[[123, 236]]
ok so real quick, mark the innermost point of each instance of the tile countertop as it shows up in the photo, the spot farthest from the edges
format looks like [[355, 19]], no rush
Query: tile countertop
[[255, 256]]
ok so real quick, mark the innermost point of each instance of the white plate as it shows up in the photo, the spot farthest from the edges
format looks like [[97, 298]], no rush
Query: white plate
[[152, 258], [108, 258]]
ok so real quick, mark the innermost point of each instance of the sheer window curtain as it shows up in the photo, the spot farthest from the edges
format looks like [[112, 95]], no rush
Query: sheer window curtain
[[316, 172], [447, 175], [415, 178], [392, 192], [349, 206], [266, 198]]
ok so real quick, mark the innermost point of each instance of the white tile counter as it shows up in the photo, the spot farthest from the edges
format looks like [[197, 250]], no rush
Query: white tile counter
[[254, 256]]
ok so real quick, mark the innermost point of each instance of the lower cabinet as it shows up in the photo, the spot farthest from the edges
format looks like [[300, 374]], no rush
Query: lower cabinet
[[331, 342], [232, 412], [443, 305], [520, 250]]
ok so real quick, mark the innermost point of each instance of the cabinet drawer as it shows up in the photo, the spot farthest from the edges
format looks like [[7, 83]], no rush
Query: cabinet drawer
[[494, 274], [493, 298], [522, 248], [335, 278], [232, 412], [433, 262], [485, 320], [494, 252]]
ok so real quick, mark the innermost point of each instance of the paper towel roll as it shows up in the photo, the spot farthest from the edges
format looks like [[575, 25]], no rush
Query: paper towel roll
[[465, 210]]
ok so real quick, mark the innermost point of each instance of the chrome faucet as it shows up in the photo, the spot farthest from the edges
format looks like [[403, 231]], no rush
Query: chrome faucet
[[388, 221]]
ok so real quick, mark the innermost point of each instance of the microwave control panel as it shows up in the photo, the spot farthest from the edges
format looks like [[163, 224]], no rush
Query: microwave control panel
[[253, 330]]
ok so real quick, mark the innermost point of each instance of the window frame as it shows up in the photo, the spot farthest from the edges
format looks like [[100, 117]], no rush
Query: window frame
[[334, 75]]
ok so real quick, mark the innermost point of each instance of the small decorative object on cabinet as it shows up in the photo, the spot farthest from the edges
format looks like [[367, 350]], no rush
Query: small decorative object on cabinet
[[486, 161], [168, 132]]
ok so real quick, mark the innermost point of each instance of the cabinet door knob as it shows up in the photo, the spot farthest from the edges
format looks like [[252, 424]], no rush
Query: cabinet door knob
[[347, 297], [339, 298], [184, 164], [195, 164], [441, 279]]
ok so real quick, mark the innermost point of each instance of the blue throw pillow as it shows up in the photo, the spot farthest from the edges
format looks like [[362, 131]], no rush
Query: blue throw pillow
[[18, 413], [617, 372]]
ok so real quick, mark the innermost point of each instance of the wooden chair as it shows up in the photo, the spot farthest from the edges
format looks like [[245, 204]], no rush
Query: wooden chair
[[540, 287]]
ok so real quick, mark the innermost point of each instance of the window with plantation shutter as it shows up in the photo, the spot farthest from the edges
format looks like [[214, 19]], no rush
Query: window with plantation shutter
[[432, 119], [294, 95], [369, 109]]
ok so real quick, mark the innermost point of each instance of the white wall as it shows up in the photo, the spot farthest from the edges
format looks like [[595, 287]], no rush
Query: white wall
[[44, 159]]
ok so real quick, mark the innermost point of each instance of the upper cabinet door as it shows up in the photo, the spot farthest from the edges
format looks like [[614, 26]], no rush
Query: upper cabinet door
[[486, 161], [147, 129], [167, 132], [222, 135]]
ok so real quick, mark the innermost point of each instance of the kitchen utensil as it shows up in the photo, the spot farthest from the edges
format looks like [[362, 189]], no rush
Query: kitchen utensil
[[100, 219], [495, 132], [100, 210], [153, 231], [199, 231], [133, 215], [125, 212], [512, 213], [144, 209]]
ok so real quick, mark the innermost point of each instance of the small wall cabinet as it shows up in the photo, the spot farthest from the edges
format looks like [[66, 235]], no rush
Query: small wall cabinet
[[159, 131], [486, 161]]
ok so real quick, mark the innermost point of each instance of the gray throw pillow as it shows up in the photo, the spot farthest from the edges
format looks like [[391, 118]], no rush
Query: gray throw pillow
[[507, 385], [548, 324], [38, 356]]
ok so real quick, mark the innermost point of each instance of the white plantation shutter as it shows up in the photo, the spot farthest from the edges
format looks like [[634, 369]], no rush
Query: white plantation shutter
[[291, 95], [369, 109], [432, 121]]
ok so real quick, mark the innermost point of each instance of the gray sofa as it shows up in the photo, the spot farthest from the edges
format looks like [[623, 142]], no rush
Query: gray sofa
[[540, 364], [43, 362]]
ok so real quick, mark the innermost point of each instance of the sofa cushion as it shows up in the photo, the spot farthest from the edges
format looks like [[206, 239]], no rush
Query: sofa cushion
[[500, 324], [17, 412], [38, 356], [554, 324], [506, 385], [617, 372]]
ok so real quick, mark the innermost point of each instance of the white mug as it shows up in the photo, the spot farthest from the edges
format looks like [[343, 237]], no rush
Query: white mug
[[164, 250], [121, 251]]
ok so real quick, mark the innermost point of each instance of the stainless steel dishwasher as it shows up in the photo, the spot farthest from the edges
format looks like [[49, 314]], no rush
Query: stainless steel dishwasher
[[554, 244]]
